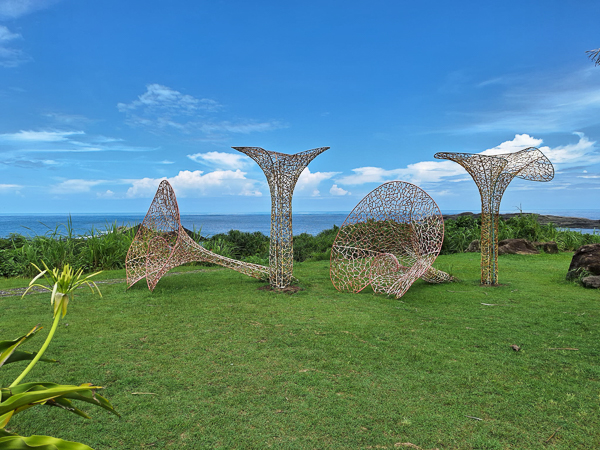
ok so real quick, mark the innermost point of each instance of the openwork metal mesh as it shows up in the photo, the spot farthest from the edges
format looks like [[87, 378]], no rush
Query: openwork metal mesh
[[493, 174], [161, 244], [390, 239], [282, 172]]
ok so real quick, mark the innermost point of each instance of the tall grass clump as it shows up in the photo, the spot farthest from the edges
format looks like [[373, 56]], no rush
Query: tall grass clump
[[460, 232], [96, 250]]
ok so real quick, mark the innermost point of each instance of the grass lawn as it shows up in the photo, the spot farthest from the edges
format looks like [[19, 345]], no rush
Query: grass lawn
[[210, 361]]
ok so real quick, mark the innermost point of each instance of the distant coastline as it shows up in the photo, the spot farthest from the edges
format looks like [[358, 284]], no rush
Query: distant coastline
[[211, 224]]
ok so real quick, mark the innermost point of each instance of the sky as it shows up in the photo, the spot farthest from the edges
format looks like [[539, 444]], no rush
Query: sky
[[100, 101]]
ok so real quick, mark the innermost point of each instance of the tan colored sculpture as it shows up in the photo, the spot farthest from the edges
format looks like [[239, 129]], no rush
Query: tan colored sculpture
[[389, 240], [492, 175], [161, 244], [282, 172]]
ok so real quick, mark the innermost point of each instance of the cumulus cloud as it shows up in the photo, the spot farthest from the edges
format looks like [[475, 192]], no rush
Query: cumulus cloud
[[197, 183], [309, 181], [421, 172], [162, 108], [583, 152], [335, 190], [221, 159]]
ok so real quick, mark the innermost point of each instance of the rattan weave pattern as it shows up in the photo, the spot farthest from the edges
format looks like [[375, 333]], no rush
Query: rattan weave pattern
[[390, 239], [282, 171], [161, 244], [492, 175]]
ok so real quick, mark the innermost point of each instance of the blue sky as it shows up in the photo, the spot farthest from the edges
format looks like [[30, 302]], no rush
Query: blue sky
[[99, 101]]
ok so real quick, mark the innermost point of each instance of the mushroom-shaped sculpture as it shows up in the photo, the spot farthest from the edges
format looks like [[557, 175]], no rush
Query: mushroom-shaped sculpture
[[161, 244], [492, 175], [282, 171], [390, 239]]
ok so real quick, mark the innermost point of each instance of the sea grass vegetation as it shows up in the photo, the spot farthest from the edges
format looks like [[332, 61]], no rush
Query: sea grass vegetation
[[212, 359], [106, 249]]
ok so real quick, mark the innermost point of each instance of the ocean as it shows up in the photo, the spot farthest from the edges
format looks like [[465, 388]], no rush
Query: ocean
[[209, 224]]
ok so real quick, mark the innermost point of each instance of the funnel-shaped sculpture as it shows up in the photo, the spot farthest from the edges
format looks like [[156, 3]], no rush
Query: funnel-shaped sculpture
[[282, 172], [390, 239], [493, 174], [161, 244]]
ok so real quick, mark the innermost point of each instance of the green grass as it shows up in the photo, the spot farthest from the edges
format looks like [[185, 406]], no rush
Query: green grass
[[226, 365]]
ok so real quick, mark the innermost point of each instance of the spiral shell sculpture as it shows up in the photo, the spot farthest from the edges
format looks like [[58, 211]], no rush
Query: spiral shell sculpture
[[389, 240]]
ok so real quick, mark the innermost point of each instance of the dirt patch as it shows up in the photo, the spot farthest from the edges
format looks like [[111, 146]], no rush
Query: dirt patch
[[287, 290]]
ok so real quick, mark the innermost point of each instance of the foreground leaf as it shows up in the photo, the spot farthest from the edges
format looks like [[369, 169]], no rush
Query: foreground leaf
[[85, 393], [7, 348], [12, 442]]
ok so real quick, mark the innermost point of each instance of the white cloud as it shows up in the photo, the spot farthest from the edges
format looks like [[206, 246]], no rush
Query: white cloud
[[6, 35], [520, 142], [310, 181], [245, 127], [12, 9], [75, 186], [166, 161], [162, 108], [166, 100], [335, 190], [421, 172], [8, 187], [196, 183], [541, 103], [9, 56], [221, 159], [107, 194], [582, 152], [40, 136], [61, 141]]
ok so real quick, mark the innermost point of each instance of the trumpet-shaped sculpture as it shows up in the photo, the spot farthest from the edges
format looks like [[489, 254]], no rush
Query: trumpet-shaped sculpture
[[493, 174], [282, 172], [161, 244], [389, 240]]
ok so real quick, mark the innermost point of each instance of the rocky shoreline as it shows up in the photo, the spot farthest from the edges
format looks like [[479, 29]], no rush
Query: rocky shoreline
[[559, 221]]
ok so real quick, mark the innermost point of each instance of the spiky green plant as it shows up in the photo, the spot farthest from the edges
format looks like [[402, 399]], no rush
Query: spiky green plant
[[18, 397]]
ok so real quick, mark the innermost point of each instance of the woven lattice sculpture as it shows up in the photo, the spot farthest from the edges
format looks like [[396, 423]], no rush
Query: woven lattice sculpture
[[389, 240], [282, 172], [161, 244], [493, 174]]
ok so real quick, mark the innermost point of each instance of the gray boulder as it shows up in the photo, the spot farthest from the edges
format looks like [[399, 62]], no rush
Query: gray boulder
[[586, 260], [516, 247], [591, 282], [474, 247]]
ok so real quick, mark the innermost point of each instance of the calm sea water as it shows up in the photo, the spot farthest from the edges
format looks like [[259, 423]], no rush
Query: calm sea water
[[82, 224]]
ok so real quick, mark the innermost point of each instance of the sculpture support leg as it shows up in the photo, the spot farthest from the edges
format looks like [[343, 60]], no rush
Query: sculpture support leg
[[281, 252], [489, 245]]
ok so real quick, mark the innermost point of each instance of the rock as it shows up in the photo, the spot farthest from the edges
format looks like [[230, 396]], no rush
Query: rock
[[474, 246], [516, 247], [546, 247], [591, 282], [586, 260]]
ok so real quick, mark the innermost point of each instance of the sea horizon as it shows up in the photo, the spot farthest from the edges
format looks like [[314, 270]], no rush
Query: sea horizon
[[311, 222]]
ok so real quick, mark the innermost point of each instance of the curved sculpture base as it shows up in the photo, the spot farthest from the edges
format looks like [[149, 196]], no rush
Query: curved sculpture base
[[389, 240], [161, 244]]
